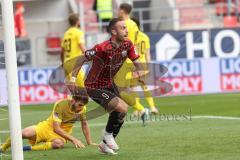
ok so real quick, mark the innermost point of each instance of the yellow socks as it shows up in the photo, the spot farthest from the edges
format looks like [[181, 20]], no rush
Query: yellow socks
[[43, 146], [7, 144], [148, 96], [138, 106]]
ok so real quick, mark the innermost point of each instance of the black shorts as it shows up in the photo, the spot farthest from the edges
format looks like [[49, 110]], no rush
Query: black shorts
[[103, 96]]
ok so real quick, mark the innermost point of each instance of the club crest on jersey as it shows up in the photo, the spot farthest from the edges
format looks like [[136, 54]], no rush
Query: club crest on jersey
[[124, 53]]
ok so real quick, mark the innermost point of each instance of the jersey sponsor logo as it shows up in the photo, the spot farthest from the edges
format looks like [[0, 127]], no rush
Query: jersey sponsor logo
[[77, 117]]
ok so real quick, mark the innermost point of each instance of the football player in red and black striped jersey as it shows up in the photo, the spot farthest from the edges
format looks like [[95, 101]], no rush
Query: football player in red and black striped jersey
[[107, 58]]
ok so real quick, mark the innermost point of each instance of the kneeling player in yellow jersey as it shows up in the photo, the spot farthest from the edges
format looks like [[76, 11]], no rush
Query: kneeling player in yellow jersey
[[143, 49], [123, 77], [73, 46], [54, 132]]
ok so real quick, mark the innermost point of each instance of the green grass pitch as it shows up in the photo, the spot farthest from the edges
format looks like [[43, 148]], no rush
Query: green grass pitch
[[189, 128]]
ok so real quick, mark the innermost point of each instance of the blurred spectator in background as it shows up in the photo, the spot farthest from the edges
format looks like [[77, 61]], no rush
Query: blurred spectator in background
[[104, 10], [20, 30]]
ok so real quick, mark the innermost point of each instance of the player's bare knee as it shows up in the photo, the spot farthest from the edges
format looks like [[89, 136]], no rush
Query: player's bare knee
[[29, 132], [57, 144], [122, 107], [125, 107], [26, 133], [61, 145]]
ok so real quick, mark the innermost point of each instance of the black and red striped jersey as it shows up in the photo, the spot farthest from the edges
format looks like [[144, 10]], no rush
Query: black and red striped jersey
[[107, 58]]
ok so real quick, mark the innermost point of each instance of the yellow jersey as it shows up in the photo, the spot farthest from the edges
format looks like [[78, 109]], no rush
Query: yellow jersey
[[70, 43], [63, 114], [132, 30], [143, 44]]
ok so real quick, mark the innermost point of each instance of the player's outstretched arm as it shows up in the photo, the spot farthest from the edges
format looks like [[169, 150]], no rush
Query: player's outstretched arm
[[57, 129], [86, 132], [139, 72], [88, 56]]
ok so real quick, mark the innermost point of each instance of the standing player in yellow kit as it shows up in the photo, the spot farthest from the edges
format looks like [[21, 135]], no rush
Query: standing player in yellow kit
[[143, 49], [124, 75], [73, 46]]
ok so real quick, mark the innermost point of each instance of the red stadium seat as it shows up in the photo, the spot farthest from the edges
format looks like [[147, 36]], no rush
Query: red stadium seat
[[230, 21], [53, 43]]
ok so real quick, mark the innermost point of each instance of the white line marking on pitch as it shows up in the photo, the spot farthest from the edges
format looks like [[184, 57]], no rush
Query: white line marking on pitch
[[135, 122], [5, 155], [4, 131], [198, 102], [3, 119], [194, 117], [216, 117]]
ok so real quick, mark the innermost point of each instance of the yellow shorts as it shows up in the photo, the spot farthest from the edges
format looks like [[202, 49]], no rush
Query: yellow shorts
[[45, 133]]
